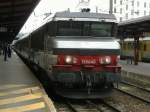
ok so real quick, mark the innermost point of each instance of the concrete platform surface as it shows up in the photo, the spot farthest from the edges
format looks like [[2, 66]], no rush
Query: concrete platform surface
[[141, 68], [20, 91]]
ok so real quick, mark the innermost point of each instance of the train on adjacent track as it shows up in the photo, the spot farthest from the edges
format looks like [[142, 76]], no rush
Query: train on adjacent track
[[127, 49], [78, 51]]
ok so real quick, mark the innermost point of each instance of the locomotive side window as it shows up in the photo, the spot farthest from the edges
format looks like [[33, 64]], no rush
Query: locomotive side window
[[52, 29], [37, 40], [66, 28]]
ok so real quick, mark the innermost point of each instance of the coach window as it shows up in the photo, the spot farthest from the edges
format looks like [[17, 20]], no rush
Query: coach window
[[140, 46], [124, 45], [144, 47], [129, 45]]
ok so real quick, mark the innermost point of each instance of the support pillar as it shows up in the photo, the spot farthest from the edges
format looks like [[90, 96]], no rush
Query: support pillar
[[136, 48], [111, 6]]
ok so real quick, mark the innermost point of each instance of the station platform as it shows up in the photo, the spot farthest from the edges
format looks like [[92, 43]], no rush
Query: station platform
[[138, 74], [141, 68], [20, 91]]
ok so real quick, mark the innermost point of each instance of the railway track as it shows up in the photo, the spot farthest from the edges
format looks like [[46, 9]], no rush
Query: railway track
[[127, 102], [135, 91], [103, 106], [136, 86], [85, 106], [122, 100], [135, 96]]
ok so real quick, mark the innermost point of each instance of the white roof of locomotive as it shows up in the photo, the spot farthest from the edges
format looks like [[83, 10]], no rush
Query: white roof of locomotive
[[84, 16]]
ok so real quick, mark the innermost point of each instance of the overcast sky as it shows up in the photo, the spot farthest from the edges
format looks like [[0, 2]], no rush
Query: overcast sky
[[46, 6], [59, 5]]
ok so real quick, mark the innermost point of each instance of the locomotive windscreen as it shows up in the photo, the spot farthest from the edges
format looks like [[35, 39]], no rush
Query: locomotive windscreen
[[81, 28]]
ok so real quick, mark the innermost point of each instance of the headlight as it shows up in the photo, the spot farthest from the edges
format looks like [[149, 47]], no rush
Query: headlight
[[118, 58], [69, 59], [105, 60]]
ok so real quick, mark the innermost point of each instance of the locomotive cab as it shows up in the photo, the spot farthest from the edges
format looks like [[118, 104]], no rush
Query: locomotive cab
[[87, 55]]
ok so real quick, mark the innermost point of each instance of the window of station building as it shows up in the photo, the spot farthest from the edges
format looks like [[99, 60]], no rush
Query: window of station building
[[120, 19], [132, 3], [115, 10], [120, 2], [120, 10], [138, 12], [138, 4], [144, 13], [114, 1], [126, 7], [126, 15], [144, 4], [132, 12]]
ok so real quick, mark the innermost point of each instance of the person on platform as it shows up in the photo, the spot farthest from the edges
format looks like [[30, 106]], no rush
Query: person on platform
[[0, 49], [5, 51], [9, 51]]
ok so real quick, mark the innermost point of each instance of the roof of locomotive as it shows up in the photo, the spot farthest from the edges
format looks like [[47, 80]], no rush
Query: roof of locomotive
[[77, 16], [84, 16]]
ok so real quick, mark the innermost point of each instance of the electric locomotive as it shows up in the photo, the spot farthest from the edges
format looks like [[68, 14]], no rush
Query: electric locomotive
[[78, 51]]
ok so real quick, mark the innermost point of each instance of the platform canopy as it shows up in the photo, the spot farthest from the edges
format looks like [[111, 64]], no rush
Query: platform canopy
[[13, 15], [134, 26]]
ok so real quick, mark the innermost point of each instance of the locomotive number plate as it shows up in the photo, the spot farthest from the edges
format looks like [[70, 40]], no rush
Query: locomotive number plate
[[88, 61]]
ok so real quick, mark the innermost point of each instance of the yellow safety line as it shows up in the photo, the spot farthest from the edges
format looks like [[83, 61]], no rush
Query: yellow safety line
[[20, 99], [49, 103], [9, 86], [20, 91], [30, 107]]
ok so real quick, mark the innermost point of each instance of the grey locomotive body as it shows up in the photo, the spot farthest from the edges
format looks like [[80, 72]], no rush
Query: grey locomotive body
[[78, 52]]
